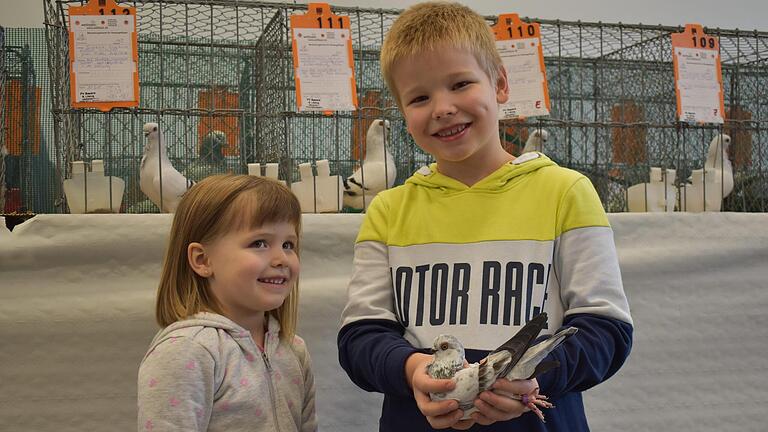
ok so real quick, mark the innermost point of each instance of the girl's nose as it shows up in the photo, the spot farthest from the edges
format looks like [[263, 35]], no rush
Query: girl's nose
[[278, 257]]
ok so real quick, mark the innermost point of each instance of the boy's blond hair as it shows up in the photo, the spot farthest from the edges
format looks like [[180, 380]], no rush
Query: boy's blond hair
[[217, 205], [433, 26]]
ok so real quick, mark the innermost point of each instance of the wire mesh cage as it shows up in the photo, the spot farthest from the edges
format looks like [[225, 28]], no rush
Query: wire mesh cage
[[218, 77], [20, 180]]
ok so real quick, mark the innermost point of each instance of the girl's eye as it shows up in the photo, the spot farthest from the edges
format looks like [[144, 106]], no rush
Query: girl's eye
[[259, 244], [289, 245]]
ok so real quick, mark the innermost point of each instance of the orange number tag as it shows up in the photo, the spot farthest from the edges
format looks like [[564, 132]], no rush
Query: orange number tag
[[519, 44], [698, 76], [103, 56], [323, 65]]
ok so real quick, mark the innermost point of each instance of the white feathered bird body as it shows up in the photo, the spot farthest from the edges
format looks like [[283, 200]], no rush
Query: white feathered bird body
[[156, 171], [718, 162], [709, 185], [376, 173], [536, 141]]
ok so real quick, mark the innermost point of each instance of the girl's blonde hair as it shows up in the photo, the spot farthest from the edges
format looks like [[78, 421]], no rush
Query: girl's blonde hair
[[435, 26], [217, 205]]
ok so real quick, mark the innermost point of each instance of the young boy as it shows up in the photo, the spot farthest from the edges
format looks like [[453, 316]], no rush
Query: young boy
[[475, 245]]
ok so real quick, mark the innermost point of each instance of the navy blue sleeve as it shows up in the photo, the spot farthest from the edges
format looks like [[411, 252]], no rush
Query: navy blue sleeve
[[589, 357], [373, 353]]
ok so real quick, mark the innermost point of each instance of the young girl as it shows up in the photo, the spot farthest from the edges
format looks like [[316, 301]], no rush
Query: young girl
[[228, 358]]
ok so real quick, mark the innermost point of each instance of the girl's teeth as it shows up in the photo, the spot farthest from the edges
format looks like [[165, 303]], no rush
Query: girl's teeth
[[273, 281]]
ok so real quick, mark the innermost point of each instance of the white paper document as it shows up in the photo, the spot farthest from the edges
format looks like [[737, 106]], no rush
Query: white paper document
[[103, 58], [526, 80], [698, 85], [325, 77]]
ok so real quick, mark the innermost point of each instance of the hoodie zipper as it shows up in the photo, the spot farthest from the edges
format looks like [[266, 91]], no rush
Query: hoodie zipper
[[271, 385]]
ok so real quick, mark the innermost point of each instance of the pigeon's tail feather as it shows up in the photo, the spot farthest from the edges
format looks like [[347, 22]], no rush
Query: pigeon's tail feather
[[519, 343], [544, 366]]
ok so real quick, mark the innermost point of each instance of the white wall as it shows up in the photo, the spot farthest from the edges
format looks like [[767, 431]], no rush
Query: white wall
[[742, 14]]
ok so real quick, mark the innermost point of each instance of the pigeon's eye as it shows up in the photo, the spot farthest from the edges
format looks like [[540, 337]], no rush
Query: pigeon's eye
[[444, 346], [154, 129]]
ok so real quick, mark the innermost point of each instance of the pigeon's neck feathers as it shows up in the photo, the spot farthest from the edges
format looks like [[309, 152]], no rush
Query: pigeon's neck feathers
[[155, 148], [716, 156], [375, 149]]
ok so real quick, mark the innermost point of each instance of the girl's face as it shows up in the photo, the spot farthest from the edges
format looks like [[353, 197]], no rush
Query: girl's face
[[253, 271]]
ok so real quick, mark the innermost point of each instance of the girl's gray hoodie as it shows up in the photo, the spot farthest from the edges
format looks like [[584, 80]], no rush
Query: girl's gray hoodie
[[206, 373]]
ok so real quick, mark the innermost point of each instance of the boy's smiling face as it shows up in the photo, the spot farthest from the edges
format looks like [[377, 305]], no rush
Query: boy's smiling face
[[451, 110]]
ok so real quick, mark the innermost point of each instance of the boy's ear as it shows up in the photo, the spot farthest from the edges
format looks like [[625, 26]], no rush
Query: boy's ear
[[198, 259], [502, 86]]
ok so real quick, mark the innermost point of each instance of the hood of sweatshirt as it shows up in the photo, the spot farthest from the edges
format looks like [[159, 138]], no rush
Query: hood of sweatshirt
[[506, 175], [202, 320]]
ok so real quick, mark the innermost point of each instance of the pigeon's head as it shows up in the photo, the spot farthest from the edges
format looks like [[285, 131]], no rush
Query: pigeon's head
[[151, 130], [379, 128], [447, 345], [540, 134], [721, 143], [213, 145]]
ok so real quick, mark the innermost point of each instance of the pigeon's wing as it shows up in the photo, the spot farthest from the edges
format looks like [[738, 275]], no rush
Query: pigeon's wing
[[174, 186], [466, 389], [526, 367], [520, 342]]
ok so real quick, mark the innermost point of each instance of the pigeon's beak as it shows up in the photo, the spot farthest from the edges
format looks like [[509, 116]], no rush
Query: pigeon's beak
[[146, 134], [432, 350]]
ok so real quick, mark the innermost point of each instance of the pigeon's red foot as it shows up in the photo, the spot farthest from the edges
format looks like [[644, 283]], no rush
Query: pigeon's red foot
[[535, 401]]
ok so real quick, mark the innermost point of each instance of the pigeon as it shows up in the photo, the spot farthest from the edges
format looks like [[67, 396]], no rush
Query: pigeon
[[536, 141], [718, 163], [515, 359], [715, 179], [377, 171], [156, 171], [210, 159]]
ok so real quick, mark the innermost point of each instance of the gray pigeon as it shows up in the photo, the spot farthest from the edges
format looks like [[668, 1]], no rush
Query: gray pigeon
[[211, 158], [156, 171], [515, 359]]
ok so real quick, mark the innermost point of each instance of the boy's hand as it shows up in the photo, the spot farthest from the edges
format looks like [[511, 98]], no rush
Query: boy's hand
[[440, 414], [500, 404]]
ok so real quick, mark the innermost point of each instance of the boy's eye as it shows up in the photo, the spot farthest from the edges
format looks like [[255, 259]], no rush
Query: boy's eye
[[418, 99], [461, 84]]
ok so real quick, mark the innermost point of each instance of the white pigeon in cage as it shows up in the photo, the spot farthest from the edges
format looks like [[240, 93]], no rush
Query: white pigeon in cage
[[377, 172], [158, 179], [707, 187], [536, 141]]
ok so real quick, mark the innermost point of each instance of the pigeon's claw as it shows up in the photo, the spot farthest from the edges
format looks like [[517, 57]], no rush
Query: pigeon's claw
[[534, 402]]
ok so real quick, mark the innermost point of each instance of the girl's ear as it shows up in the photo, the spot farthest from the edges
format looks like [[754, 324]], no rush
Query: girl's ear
[[198, 260]]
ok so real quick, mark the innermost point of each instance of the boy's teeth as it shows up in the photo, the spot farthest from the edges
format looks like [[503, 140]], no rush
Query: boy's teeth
[[452, 131]]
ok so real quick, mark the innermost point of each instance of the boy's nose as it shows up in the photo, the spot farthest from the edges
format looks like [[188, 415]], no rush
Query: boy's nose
[[444, 107]]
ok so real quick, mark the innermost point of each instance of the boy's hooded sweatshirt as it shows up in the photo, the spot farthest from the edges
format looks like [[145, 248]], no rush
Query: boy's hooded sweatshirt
[[435, 256], [206, 373]]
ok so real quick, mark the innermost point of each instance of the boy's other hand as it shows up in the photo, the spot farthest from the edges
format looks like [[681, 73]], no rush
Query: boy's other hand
[[440, 414], [497, 405]]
